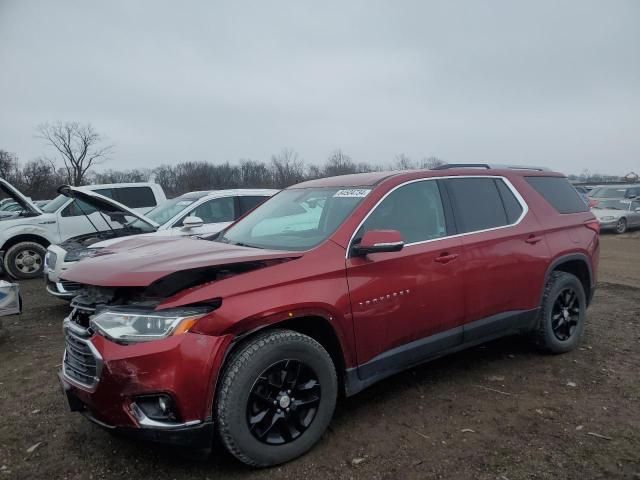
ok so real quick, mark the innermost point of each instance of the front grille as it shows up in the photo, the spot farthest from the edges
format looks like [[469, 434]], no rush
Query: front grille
[[70, 286], [80, 363]]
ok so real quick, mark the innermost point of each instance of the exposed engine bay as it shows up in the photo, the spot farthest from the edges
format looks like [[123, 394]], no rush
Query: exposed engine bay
[[92, 299]]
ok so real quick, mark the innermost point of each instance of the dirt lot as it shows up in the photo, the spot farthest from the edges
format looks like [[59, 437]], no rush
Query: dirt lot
[[500, 411]]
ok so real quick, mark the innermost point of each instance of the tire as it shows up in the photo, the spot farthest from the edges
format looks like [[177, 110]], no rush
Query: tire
[[247, 390], [557, 331], [25, 260], [621, 226]]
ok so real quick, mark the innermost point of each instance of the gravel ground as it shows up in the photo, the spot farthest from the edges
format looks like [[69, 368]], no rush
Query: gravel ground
[[499, 411]]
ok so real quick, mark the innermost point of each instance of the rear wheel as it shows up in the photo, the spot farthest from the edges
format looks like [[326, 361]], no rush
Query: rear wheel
[[25, 260], [276, 398], [562, 314], [621, 226]]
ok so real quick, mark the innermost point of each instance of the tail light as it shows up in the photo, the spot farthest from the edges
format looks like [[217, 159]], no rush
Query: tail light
[[593, 225]]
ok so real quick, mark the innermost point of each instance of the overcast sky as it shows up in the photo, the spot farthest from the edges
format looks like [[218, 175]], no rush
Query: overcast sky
[[553, 83]]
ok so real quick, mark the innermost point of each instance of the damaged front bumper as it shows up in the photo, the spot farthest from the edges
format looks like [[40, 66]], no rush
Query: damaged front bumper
[[111, 384]]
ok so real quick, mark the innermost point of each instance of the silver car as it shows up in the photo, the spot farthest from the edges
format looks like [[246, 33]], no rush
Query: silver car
[[618, 214]]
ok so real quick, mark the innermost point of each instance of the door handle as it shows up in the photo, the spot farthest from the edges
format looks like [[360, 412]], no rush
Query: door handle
[[446, 257], [533, 239]]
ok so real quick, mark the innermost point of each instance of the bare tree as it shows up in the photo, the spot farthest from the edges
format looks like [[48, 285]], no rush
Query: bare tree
[[339, 163], [79, 146], [8, 165], [403, 162], [288, 168], [431, 162]]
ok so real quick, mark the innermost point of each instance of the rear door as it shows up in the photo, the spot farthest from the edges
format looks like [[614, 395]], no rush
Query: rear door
[[505, 255], [402, 300]]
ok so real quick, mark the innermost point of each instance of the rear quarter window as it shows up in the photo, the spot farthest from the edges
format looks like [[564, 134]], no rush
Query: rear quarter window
[[559, 193]]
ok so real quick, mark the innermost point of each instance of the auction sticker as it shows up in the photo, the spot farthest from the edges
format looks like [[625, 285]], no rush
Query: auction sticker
[[352, 192]]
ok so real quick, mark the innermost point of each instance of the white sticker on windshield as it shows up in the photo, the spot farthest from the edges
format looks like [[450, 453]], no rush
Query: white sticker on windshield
[[352, 192]]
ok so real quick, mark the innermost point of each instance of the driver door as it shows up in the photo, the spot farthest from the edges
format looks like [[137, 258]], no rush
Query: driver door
[[407, 305]]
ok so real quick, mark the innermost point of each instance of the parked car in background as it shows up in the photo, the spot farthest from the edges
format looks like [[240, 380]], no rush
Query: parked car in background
[[194, 213], [615, 191], [25, 237], [618, 214], [327, 287]]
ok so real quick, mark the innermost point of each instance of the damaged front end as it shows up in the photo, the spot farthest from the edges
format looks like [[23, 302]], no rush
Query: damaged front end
[[132, 365]]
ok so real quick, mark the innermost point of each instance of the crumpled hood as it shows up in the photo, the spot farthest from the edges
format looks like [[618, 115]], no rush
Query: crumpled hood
[[138, 262]]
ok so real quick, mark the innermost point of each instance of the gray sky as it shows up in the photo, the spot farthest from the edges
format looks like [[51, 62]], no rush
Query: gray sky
[[553, 83]]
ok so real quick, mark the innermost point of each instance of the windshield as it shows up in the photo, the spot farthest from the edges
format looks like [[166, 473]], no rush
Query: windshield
[[296, 219], [609, 193], [54, 204], [614, 204], [165, 211]]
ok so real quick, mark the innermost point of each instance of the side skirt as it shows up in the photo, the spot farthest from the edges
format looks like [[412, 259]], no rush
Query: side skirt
[[426, 349]]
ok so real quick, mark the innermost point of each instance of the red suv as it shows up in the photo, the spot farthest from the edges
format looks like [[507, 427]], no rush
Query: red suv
[[326, 288]]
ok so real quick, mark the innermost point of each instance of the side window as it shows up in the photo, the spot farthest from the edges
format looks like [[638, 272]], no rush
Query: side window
[[560, 194], [511, 204], [135, 197], [635, 205], [415, 210], [249, 203], [77, 208], [477, 204], [107, 192], [214, 211]]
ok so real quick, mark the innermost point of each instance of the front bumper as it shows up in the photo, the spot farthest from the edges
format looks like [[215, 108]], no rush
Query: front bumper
[[183, 367], [198, 436]]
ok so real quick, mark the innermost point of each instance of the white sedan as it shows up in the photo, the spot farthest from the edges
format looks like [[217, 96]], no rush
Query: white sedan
[[191, 214]]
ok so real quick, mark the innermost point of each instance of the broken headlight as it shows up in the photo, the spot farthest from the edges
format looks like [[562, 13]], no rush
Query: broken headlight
[[130, 325]]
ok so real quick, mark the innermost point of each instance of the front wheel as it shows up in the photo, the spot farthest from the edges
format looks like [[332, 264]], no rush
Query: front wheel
[[621, 226], [25, 260], [276, 398]]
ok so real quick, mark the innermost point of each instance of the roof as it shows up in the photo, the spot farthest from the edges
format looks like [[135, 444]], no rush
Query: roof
[[373, 178]]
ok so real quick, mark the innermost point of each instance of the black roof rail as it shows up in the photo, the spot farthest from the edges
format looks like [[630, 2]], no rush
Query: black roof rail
[[488, 166], [461, 165]]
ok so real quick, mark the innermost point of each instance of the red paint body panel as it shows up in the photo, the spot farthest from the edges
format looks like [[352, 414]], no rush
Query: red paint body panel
[[138, 261]]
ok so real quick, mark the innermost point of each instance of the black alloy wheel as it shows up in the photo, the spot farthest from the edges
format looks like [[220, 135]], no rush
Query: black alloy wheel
[[565, 314], [283, 402]]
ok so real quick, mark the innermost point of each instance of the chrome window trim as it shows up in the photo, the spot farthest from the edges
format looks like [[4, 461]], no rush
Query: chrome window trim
[[519, 198]]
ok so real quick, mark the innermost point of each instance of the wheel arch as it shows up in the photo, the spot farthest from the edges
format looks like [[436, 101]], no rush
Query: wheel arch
[[313, 325], [25, 237], [577, 264]]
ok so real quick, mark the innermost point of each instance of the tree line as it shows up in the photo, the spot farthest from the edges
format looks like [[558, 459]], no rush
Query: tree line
[[40, 178]]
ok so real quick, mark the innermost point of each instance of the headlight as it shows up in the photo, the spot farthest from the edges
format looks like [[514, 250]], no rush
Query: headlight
[[607, 218], [79, 254], [143, 326], [50, 260]]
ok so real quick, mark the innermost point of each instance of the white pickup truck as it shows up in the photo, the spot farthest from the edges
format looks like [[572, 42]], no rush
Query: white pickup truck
[[24, 238]]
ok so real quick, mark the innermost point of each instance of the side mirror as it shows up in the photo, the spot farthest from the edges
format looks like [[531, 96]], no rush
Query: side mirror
[[192, 222], [379, 241]]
